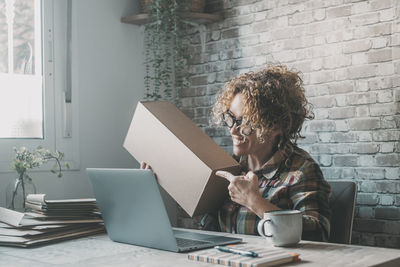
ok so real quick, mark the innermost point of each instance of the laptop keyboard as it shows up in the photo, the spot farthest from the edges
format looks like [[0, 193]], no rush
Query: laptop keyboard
[[183, 242]]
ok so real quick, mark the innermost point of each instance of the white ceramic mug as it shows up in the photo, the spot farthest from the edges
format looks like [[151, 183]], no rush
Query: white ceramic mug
[[283, 227]]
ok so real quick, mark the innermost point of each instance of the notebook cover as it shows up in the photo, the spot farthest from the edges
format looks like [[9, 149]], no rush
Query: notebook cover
[[266, 256]]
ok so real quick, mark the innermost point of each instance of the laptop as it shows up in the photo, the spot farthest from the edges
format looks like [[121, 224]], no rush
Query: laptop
[[133, 212]]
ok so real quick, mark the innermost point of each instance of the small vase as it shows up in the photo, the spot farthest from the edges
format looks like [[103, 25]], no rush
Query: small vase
[[17, 191]]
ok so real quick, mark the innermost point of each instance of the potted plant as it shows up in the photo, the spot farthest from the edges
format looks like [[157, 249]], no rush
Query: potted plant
[[165, 48], [24, 160], [194, 5]]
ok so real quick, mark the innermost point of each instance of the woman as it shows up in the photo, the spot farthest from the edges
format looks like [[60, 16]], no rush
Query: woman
[[264, 112]]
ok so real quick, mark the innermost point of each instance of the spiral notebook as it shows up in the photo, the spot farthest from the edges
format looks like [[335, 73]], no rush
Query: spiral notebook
[[267, 256]]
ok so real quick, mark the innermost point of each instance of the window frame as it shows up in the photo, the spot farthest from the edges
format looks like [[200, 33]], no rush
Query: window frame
[[55, 16]]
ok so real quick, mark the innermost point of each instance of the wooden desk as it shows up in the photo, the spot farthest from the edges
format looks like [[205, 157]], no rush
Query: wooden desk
[[101, 251]]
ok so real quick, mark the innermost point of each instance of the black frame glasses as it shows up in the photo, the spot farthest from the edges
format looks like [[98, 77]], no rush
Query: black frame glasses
[[230, 121]]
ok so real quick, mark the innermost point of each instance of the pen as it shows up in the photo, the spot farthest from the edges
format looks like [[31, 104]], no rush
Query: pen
[[237, 251]]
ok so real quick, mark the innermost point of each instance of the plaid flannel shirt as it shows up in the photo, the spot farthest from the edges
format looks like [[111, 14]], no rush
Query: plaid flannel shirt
[[301, 186]]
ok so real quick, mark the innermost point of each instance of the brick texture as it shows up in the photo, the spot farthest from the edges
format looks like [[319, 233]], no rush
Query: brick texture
[[349, 54]]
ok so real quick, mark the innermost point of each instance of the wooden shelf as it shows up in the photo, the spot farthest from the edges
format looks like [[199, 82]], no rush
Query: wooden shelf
[[200, 18]]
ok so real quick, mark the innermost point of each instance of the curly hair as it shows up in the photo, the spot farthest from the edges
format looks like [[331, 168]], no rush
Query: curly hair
[[273, 97]]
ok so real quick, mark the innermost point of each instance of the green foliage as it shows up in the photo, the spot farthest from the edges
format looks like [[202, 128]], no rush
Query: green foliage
[[165, 48], [25, 159]]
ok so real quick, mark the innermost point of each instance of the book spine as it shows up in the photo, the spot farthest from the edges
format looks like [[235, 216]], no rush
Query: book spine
[[35, 206], [197, 258], [208, 259]]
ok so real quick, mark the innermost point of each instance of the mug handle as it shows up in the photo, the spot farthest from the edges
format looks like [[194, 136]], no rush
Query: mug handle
[[260, 227]]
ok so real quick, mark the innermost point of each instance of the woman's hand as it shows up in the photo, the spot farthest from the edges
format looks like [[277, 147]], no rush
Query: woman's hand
[[242, 189], [145, 166]]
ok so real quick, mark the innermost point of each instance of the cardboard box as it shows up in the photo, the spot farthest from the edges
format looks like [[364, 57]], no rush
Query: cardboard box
[[184, 158]]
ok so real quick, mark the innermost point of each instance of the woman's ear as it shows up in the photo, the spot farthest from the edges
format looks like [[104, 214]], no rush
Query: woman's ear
[[278, 136], [277, 128]]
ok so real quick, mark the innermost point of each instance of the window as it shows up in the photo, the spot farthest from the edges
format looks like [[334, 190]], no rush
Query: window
[[36, 57]]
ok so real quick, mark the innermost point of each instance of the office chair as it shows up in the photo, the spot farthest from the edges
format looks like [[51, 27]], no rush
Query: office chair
[[342, 203]]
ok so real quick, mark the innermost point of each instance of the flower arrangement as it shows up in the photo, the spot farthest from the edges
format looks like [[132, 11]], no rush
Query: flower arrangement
[[23, 161]]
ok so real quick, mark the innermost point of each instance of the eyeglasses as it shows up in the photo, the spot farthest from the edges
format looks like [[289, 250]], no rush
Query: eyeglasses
[[230, 120]]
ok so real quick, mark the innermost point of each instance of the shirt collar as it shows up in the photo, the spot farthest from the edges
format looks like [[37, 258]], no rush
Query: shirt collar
[[270, 168]]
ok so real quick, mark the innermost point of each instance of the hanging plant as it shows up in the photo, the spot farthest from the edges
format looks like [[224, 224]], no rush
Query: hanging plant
[[166, 59]]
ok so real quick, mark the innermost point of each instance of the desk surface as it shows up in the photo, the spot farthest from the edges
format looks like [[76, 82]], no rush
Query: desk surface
[[101, 251]]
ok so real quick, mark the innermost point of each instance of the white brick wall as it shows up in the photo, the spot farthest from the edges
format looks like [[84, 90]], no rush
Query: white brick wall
[[349, 53]]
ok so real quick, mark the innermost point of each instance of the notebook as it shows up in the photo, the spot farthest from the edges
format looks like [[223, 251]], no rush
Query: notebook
[[267, 256], [134, 212]]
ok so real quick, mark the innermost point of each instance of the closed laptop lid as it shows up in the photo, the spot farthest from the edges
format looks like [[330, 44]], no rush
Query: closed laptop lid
[[132, 207]]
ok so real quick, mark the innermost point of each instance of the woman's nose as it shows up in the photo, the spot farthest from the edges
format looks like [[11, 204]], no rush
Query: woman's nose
[[234, 129]]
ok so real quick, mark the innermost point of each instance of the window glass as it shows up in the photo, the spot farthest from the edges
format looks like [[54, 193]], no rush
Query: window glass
[[21, 81]]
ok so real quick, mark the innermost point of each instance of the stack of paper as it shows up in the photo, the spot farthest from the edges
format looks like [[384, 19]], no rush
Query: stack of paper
[[49, 221]]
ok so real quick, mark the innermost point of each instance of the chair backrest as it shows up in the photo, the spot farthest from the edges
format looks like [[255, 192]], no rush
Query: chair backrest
[[342, 203]]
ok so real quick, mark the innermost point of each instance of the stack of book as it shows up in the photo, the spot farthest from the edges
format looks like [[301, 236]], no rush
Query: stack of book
[[49, 221]]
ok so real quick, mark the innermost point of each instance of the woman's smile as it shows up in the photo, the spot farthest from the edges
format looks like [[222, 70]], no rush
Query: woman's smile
[[239, 140]]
